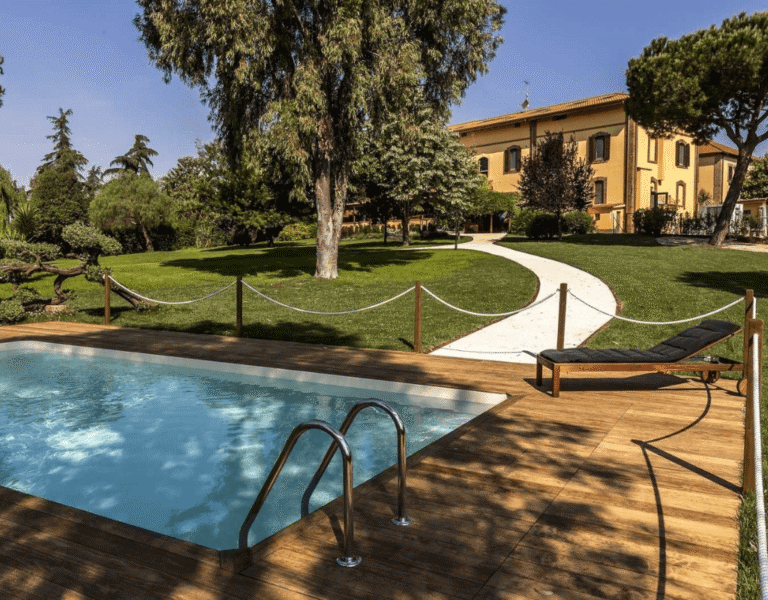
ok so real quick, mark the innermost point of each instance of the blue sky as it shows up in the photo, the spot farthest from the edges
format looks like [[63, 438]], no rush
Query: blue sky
[[85, 55]]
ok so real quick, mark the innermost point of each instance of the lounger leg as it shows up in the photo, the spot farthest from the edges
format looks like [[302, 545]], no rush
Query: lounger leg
[[556, 381], [538, 374]]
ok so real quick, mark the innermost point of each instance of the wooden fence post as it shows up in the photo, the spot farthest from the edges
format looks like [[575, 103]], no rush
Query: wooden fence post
[[239, 306], [561, 316], [755, 327], [417, 320], [107, 298]]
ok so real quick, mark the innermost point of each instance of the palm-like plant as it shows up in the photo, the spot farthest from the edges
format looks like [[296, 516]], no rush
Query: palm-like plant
[[135, 160]]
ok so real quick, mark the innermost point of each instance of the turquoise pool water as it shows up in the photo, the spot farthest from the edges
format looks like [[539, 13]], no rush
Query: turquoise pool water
[[183, 451]]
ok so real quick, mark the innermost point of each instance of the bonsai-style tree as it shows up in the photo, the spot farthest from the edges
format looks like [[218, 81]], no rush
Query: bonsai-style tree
[[555, 179], [708, 81], [22, 260]]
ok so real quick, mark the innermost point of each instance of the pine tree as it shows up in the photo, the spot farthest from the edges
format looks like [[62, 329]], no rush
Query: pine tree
[[708, 81]]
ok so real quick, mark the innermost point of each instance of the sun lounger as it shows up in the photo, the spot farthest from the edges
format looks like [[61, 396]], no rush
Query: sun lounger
[[678, 353]]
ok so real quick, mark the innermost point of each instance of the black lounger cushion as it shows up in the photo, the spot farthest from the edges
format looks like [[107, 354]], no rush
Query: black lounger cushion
[[686, 343]]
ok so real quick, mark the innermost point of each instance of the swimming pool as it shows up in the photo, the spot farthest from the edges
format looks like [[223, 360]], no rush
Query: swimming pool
[[182, 446]]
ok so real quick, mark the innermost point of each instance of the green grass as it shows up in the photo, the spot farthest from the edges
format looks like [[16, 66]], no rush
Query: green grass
[[368, 273], [658, 283]]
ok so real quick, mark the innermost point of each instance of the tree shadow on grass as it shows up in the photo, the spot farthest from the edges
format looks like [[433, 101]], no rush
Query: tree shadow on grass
[[595, 239], [735, 282], [293, 262]]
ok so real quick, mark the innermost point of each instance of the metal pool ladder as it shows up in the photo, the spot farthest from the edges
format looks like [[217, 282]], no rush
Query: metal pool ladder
[[339, 442]]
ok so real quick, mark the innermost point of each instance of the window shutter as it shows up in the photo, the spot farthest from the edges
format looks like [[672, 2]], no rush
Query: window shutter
[[687, 155], [591, 149], [607, 146]]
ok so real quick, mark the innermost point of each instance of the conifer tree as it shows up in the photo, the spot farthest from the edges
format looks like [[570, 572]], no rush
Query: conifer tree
[[708, 81]]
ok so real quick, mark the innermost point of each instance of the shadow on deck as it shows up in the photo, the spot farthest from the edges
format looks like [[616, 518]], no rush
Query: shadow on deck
[[623, 487]]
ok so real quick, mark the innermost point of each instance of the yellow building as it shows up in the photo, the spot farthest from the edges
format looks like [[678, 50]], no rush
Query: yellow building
[[632, 170]]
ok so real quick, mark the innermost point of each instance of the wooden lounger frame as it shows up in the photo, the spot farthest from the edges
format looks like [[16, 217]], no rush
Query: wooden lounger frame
[[709, 371]]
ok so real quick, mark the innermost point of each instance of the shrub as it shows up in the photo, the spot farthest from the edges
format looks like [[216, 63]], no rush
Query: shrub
[[652, 221], [579, 222], [11, 311], [543, 225], [26, 295], [521, 219], [298, 231]]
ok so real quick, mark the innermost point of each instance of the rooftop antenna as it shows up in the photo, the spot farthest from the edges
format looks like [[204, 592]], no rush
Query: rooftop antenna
[[525, 102]]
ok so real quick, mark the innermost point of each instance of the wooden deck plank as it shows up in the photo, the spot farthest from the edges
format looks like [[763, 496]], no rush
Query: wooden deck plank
[[623, 487]]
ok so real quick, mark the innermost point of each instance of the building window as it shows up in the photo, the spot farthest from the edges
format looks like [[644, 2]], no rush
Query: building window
[[680, 194], [484, 166], [653, 149], [512, 160], [599, 147], [600, 191], [682, 154], [731, 169]]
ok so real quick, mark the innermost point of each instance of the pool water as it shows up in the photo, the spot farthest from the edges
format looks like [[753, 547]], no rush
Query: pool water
[[184, 451]]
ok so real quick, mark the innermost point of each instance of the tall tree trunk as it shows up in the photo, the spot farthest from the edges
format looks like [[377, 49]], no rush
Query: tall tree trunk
[[330, 215], [150, 247], [406, 223], [724, 219]]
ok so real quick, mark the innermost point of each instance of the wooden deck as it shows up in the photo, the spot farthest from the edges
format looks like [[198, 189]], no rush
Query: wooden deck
[[624, 487]]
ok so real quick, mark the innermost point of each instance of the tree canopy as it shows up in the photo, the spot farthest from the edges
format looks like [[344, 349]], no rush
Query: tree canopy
[[413, 160], [756, 181], [311, 77], [555, 179], [708, 81], [129, 201], [137, 160]]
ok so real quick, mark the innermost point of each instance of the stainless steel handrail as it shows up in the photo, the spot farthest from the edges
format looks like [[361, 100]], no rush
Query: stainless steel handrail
[[338, 441], [401, 519]]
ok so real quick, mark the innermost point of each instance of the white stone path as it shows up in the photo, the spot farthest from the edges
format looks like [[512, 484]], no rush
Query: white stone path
[[520, 337]]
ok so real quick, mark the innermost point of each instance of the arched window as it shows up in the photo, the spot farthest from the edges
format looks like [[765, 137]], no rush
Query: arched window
[[680, 193], [682, 154], [512, 159], [600, 147], [483, 164]]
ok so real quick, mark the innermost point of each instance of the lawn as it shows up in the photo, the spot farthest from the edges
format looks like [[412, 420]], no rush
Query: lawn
[[661, 283], [369, 273]]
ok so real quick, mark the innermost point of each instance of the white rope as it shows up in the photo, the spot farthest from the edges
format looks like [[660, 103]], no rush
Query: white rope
[[709, 314], [171, 303], [762, 553], [505, 314], [317, 312]]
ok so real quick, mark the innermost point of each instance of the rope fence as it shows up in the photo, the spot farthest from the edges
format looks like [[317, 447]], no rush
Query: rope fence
[[180, 302], [678, 322], [318, 312], [476, 314], [109, 281], [563, 292]]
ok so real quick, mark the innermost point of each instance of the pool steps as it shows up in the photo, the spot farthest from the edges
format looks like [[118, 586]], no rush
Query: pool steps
[[339, 442]]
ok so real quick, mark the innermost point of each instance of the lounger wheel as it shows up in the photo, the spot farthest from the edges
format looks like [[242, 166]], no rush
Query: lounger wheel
[[709, 376], [741, 386]]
